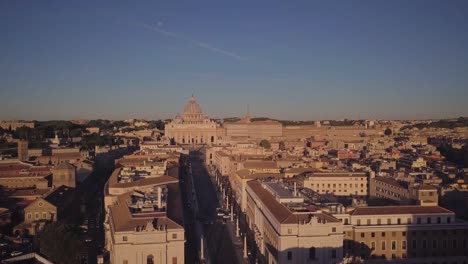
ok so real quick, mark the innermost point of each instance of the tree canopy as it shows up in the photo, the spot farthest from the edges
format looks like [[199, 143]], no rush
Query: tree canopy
[[265, 144], [388, 132], [61, 243]]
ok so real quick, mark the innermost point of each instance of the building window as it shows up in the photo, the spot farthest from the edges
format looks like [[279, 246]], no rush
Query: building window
[[372, 234], [333, 229], [289, 255], [383, 245], [125, 262], [393, 256], [44, 215], [449, 219], [312, 253], [403, 233], [359, 222], [29, 216], [174, 260], [37, 216], [418, 220], [372, 245], [368, 221], [174, 236], [414, 244], [439, 220], [404, 255], [429, 220], [383, 234], [393, 245], [289, 231], [378, 221], [389, 221], [333, 253], [399, 221], [124, 238], [408, 221], [403, 244], [150, 259], [346, 221]]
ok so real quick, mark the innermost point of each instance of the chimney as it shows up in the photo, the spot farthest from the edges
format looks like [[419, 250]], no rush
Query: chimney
[[159, 198]]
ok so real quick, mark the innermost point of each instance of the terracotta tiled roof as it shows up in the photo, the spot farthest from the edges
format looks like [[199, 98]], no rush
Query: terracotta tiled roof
[[20, 193], [146, 182], [267, 164], [426, 187], [247, 175], [390, 210], [123, 220], [337, 174], [64, 165], [143, 182], [280, 211], [390, 181]]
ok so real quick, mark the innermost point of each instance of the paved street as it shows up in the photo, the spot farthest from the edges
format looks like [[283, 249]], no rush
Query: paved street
[[91, 191], [220, 247], [254, 256]]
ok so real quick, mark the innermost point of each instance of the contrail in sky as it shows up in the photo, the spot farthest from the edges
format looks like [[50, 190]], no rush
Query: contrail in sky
[[194, 42]]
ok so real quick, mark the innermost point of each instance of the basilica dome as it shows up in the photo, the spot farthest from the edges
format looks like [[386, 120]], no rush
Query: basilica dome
[[192, 107], [192, 112]]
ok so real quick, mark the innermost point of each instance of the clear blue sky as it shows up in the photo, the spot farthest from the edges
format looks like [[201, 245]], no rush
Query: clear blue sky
[[287, 59]]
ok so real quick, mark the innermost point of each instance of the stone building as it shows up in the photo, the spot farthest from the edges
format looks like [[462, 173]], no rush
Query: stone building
[[257, 130], [144, 220], [13, 125], [15, 174], [64, 174], [193, 126], [338, 183], [23, 150], [390, 189], [286, 231], [405, 234], [54, 206]]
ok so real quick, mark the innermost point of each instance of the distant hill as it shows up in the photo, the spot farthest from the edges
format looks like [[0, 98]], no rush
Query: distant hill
[[231, 119], [344, 122], [443, 123]]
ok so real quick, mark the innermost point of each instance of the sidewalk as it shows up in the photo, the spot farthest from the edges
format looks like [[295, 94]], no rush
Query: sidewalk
[[231, 227], [237, 241]]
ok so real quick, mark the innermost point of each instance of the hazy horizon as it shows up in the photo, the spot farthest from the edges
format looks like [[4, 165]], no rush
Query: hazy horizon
[[306, 60]]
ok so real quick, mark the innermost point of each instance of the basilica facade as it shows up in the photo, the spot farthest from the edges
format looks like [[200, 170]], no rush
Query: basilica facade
[[193, 127]]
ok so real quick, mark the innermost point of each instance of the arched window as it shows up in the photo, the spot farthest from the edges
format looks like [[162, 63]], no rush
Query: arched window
[[150, 259], [312, 253], [212, 139]]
